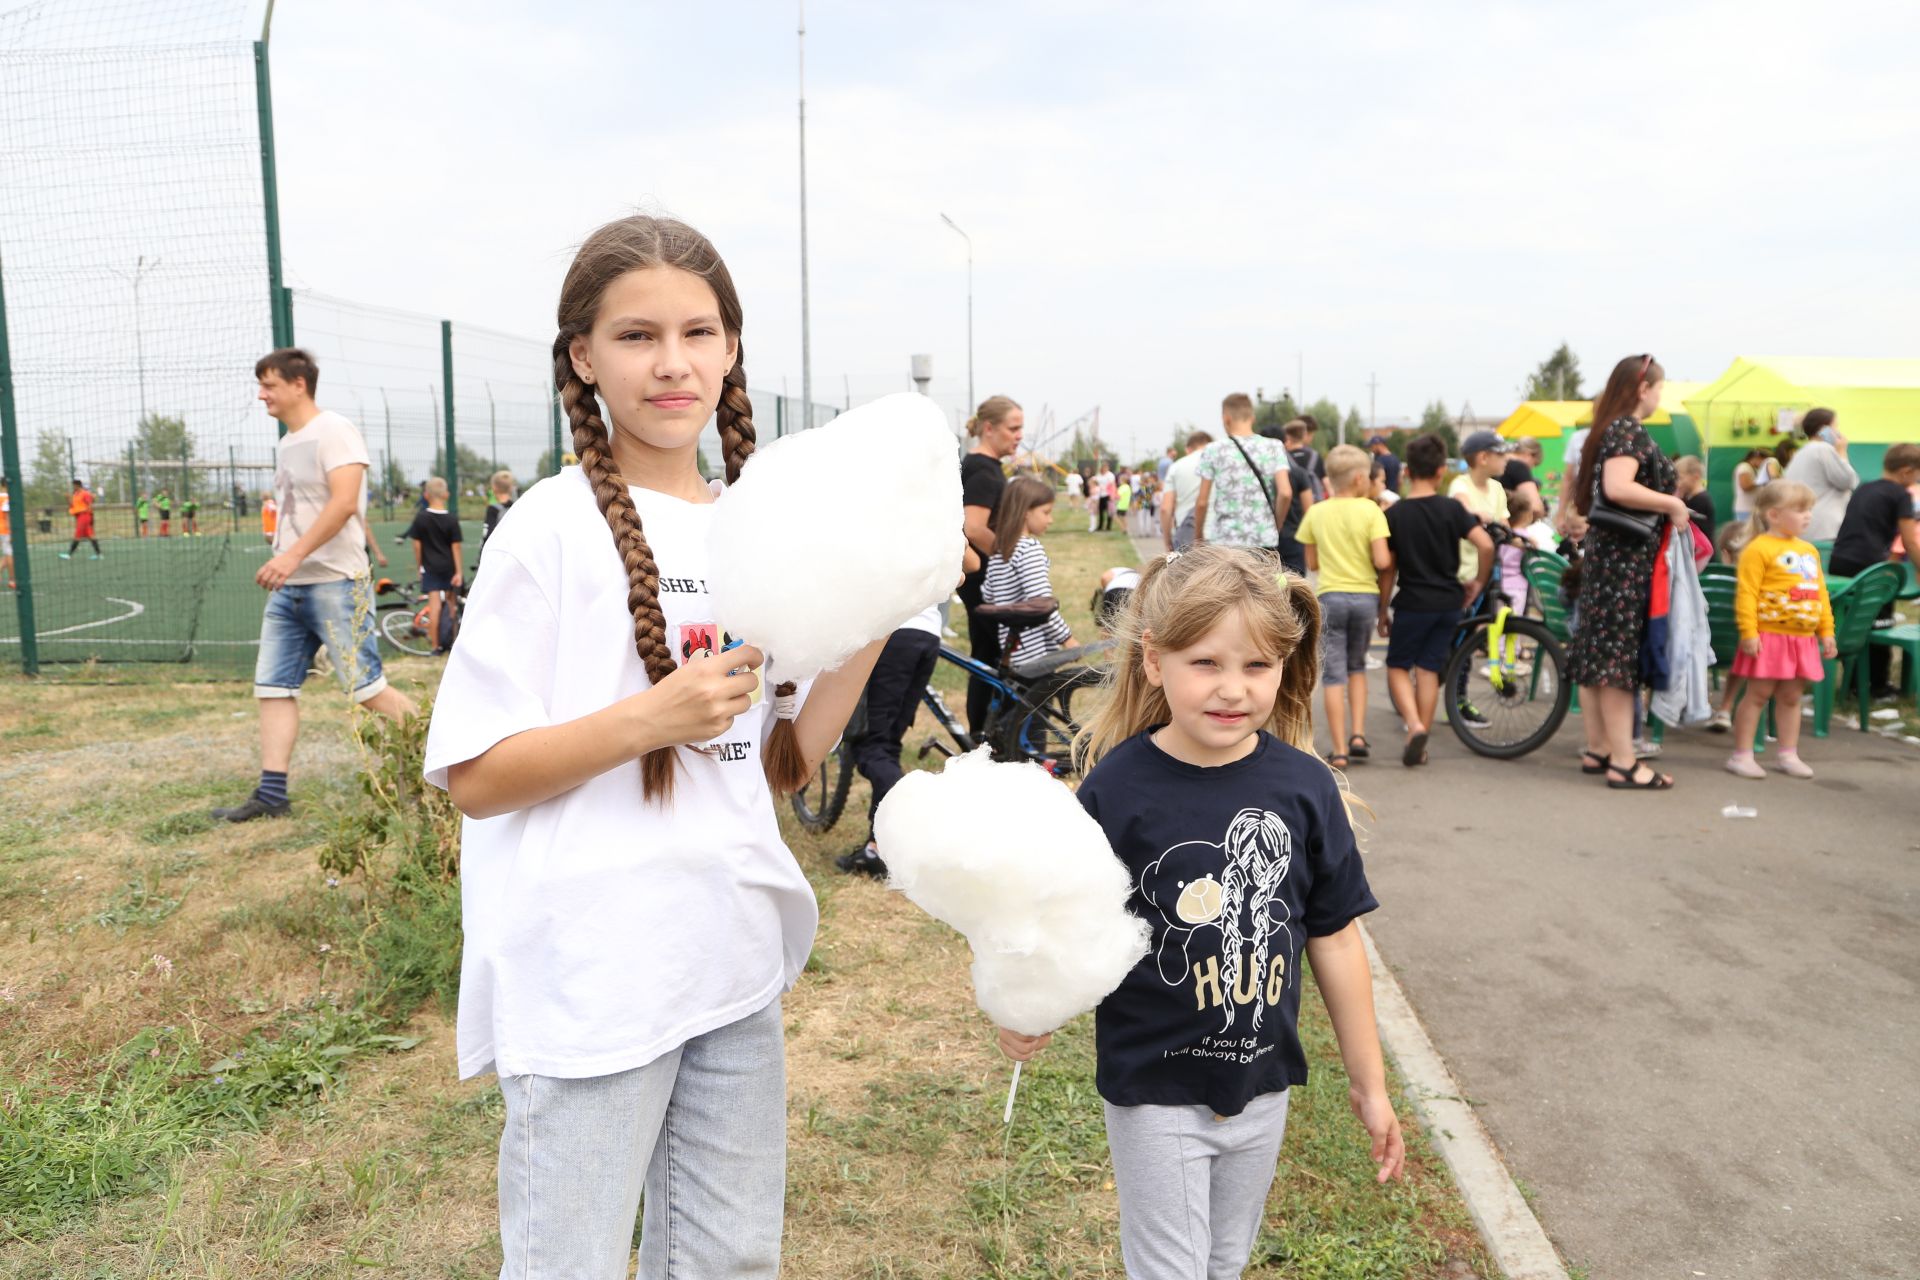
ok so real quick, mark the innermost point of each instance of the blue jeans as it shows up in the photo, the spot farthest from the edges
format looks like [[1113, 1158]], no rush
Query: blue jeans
[[702, 1129], [298, 620]]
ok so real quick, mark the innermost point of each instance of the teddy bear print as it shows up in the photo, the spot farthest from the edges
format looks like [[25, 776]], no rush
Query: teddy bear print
[[1221, 898]]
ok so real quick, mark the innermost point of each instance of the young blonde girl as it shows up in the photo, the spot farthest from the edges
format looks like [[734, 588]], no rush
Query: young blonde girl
[[1019, 569], [1786, 625], [1237, 839], [631, 916]]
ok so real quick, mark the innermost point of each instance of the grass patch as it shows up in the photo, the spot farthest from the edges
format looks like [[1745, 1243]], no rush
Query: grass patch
[[163, 1092]]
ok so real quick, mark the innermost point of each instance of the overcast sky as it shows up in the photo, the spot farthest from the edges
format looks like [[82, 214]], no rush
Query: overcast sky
[[1167, 202]]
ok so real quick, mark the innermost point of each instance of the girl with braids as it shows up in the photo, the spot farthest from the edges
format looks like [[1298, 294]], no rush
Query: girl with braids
[[631, 915], [1237, 838]]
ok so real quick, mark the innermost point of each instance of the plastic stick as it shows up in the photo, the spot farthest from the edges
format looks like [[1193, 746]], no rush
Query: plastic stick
[[1012, 1089]]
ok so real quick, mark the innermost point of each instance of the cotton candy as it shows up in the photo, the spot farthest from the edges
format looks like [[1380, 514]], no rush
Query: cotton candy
[[833, 537], [1006, 855]]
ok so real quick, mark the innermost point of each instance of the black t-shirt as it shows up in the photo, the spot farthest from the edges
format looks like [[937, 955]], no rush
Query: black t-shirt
[[436, 532], [1871, 524], [1425, 534], [982, 481], [1516, 474], [1701, 505], [1234, 867], [495, 510], [1391, 466], [1307, 459]]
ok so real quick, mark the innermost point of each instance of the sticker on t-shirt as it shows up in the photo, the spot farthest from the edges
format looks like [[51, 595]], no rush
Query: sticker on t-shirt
[[696, 639], [1225, 922]]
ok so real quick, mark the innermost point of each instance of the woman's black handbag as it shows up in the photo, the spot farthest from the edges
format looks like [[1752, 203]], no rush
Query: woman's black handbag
[[1626, 522]]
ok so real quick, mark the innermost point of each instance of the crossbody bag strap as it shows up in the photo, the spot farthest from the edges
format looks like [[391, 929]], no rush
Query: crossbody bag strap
[[1272, 501]]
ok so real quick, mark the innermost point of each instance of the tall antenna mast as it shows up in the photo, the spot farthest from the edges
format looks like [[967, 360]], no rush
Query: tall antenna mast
[[806, 338]]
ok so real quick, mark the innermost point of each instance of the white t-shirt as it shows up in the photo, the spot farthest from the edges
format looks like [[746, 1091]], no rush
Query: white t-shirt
[[928, 620], [302, 460], [603, 931], [1074, 484], [1184, 479]]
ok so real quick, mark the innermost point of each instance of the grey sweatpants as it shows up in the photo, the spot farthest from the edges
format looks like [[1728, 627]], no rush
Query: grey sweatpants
[[1193, 1186]]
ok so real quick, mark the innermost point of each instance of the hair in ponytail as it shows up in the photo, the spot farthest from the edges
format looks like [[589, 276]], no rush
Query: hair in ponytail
[[635, 244], [992, 412]]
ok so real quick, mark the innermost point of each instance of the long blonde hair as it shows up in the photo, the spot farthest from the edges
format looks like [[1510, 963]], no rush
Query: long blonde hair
[[1781, 493], [1179, 599]]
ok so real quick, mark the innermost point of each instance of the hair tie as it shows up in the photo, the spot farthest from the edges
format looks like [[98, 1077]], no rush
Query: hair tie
[[786, 701]]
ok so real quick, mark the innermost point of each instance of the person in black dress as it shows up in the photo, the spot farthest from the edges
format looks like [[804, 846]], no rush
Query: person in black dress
[[995, 430], [1617, 578]]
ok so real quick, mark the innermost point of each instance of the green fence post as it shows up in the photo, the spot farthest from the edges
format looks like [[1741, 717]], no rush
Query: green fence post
[[16, 499], [233, 488], [133, 488], [446, 380], [278, 302], [386, 463]]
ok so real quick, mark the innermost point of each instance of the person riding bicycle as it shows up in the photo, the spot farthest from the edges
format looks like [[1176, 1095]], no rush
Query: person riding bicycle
[[1424, 532]]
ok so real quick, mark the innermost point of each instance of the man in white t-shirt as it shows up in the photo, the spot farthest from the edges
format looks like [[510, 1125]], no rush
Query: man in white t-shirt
[[1181, 491], [320, 591]]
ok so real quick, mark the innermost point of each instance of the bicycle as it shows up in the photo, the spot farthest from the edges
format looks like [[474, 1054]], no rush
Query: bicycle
[[1506, 675], [403, 621], [1029, 717]]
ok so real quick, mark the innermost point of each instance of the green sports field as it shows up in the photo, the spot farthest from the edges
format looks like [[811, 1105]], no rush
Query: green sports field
[[177, 599]]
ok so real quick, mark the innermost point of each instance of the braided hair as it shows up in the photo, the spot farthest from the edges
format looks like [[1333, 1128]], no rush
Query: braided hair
[[633, 244]]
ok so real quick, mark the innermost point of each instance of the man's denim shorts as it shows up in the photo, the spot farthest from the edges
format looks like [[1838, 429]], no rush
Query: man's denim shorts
[[298, 620]]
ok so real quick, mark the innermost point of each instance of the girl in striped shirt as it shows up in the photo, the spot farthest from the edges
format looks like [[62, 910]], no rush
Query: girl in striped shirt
[[1018, 568]]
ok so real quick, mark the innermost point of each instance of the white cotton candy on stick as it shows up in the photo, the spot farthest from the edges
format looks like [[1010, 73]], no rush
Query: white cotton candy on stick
[[1006, 855], [834, 537]]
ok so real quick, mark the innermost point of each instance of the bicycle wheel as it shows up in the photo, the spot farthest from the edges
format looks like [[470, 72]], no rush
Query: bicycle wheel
[[1041, 727], [819, 804], [397, 629], [1506, 703]]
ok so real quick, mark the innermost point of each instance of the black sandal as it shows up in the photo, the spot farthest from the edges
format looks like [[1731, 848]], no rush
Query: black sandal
[[1358, 747], [1593, 762], [1656, 782], [1416, 752], [1337, 761]]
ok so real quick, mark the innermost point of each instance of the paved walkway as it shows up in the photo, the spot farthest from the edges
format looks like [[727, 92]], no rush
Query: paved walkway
[[1696, 1039]]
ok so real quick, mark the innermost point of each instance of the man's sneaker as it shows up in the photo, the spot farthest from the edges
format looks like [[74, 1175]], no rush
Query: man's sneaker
[[863, 861], [1470, 716], [254, 807], [1645, 749], [1722, 722], [66, 555]]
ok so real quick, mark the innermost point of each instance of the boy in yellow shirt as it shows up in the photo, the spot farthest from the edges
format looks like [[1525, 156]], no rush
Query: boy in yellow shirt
[[1345, 539]]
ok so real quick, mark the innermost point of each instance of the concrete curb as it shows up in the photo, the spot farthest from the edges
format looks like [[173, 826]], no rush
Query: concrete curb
[[1506, 1222]]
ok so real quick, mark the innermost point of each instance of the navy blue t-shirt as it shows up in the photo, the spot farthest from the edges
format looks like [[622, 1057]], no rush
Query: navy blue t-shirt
[[1234, 867]]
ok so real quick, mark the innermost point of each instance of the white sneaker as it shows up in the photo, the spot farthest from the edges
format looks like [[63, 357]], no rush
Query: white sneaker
[[1722, 722], [1745, 767], [1792, 765], [1645, 750]]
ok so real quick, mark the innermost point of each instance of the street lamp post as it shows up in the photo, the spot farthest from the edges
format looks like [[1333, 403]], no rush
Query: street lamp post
[[806, 336], [140, 268], [971, 402]]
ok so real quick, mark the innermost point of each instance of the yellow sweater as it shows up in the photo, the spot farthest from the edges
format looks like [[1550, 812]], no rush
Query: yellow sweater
[[1782, 589]]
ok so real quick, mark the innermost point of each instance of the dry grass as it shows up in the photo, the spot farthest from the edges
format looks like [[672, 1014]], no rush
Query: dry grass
[[899, 1166]]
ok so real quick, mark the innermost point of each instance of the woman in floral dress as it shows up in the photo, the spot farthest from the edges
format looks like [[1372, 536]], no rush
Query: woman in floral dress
[[1617, 571]]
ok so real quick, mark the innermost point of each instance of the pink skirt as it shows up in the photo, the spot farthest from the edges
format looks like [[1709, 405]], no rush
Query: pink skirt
[[1782, 658]]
